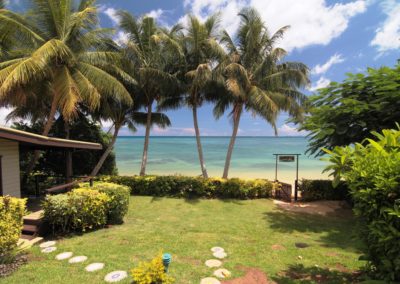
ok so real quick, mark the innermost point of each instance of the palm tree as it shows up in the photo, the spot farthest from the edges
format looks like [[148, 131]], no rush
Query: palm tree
[[61, 52], [256, 78], [151, 53], [201, 50]]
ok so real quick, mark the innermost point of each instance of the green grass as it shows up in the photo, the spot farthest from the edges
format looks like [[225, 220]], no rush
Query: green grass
[[189, 228]]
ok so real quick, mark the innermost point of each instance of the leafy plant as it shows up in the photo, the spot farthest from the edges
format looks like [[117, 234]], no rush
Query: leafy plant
[[151, 272], [80, 210], [192, 187], [347, 112], [12, 211], [118, 199], [371, 170]]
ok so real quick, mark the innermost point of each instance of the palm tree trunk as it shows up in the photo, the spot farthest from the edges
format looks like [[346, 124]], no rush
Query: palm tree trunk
[[68, 158], [236, 119], [49, 123], [107, 152], [146, 141], [199, 147]]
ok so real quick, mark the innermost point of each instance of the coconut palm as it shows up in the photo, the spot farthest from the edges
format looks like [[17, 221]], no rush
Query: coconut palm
[[62, 58], [256, 78], [152, 53], [201, 49], [63, 52]]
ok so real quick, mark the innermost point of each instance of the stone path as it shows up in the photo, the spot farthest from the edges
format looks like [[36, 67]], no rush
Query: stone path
[[218, 252], [114, 276]]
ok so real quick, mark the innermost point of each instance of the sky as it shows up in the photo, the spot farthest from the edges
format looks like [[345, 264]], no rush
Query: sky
[[331, 37]]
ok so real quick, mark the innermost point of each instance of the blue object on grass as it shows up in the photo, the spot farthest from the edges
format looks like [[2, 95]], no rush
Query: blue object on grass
[[166, 258]]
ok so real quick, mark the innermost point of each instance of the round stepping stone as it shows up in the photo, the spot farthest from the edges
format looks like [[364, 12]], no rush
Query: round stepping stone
[[213, 263], [115, 276], [47, 244], [77, 259], [217, 249], [222, 273], [210, 280], [64, 255], [220, 254], [49, 249], [94, 267]]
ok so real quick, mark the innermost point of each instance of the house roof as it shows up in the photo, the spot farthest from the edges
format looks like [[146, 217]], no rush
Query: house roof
[[40, 141]]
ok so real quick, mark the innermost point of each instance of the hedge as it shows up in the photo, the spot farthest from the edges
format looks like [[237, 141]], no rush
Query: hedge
[[12, 211], [192, 187], [371, 171], [79, 210], [119, 200], [320, 189]]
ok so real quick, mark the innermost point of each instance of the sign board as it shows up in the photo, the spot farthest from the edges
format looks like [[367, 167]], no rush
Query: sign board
[[286, 158]]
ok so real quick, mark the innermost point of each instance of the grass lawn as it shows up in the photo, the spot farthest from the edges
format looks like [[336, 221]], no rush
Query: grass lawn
[[189, 228]]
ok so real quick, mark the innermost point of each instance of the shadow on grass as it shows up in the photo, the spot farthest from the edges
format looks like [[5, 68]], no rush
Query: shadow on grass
[[336, 231], [298, 273]]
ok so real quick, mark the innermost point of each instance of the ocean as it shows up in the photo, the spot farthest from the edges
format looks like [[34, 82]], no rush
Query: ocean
[[252, 157]]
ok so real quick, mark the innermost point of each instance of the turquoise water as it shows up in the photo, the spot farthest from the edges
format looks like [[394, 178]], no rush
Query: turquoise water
[[252, 156]]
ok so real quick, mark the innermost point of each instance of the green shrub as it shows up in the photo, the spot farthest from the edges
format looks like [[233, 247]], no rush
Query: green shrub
[[192, 187], [372, 172], [79, 210], [320, 189], [119, 200], [151, 272], [12, 211]]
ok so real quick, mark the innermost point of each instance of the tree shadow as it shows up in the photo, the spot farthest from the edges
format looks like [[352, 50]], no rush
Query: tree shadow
[[298, 273], [338, 231]]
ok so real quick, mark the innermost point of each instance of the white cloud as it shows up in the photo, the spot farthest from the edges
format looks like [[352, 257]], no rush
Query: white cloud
[[287, 130], [387, 35], [111, 13], [321, 69], [312, 21], [3, 115], [155, 13], [174, 131], [321, 83]]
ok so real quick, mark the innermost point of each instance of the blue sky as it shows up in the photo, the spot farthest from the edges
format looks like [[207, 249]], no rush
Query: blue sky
[[331, 37]]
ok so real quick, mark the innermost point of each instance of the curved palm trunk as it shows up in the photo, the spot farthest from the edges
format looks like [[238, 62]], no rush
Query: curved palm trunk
[[68, 159], [199, 147], [103, 157], [146, 141], [236, 119], [46, 130]]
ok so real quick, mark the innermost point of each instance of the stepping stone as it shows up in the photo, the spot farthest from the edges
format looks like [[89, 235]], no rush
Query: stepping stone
[[49, 249], [78, 259], [217, 249], [94, 267], [213, 263], [47, 244], [220, 254], [222, 273], [64, 255], [210, 280], [301, 245], [115, 276]]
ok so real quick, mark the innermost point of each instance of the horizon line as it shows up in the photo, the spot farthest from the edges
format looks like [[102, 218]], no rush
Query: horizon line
[[219, 136]]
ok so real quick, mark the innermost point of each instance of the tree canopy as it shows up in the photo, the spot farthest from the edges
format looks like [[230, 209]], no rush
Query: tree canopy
[[346, 113]]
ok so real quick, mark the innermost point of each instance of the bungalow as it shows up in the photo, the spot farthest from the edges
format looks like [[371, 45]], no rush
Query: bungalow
[[11, 139]]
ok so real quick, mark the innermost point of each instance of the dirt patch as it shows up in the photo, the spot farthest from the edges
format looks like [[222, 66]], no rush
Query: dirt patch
[[252, 276], [332, 253], [324, 208], [189, 260], [340, 267], [277, 247]]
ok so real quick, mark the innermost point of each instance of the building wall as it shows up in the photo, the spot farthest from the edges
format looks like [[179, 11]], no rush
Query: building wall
[[9, 151]]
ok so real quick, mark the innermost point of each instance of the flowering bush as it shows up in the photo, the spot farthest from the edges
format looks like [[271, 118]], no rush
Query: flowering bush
[[151, 272]]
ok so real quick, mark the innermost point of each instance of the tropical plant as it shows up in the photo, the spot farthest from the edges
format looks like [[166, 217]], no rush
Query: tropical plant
[[61, 59], [371, 170], [256, 78], [345, 113], [201, 49], [151, 53]]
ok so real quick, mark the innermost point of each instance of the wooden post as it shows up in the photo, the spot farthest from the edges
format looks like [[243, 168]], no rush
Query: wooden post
[[296, 182]]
